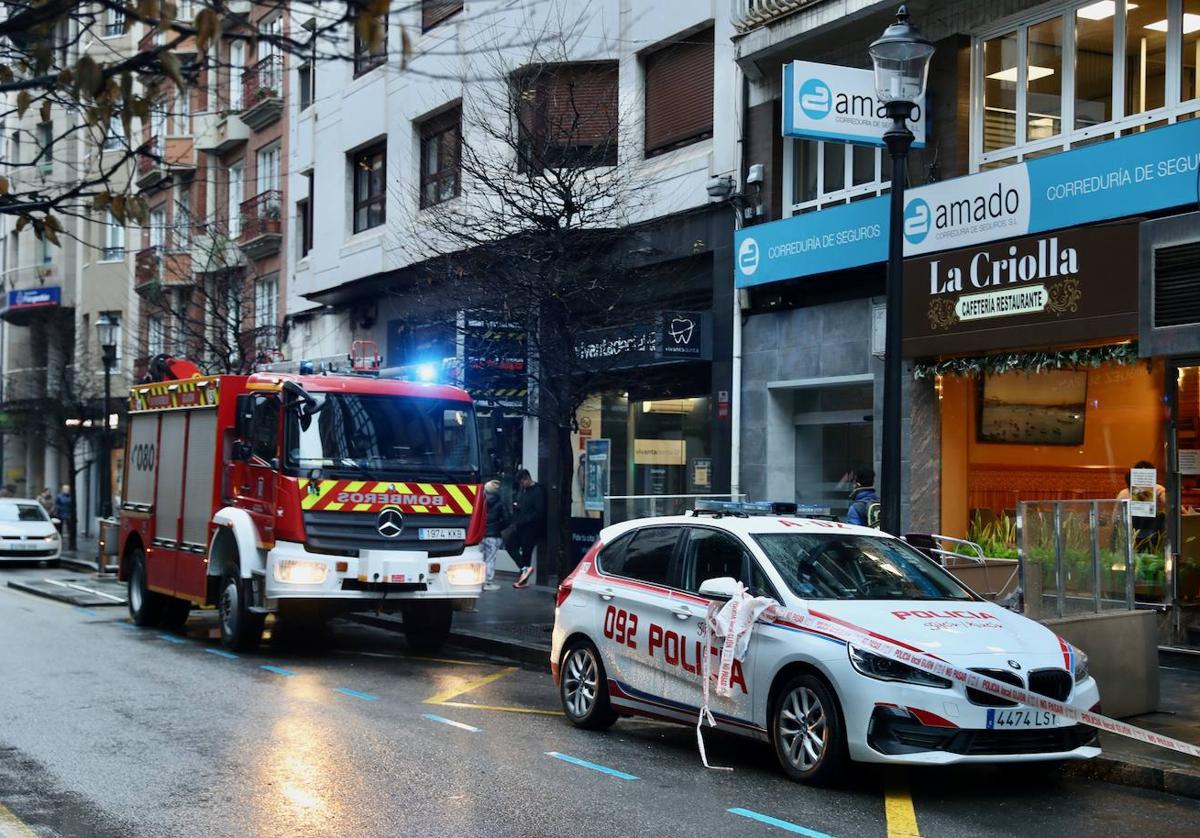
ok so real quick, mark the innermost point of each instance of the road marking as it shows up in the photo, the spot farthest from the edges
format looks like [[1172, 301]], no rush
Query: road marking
[[87, 611], [454, 692], [170, 638], [221, 653], [355, 694], [87, 590], [620, 775], [901, 818], [13, 827], [396, 656], [770, 821], [450, 722], [278, 670], [530, 710], [128, 626]]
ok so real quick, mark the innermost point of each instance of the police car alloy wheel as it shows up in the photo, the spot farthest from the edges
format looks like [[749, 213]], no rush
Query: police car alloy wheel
[[807, 732], [583, 689]]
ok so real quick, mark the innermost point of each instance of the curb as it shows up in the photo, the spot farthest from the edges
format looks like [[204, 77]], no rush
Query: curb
[[25, 588], [1139, 775], [85, 565], [525, 653]]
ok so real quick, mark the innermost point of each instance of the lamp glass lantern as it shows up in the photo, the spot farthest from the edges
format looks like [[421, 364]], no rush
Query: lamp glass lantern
[[901, 58], [106, 332]]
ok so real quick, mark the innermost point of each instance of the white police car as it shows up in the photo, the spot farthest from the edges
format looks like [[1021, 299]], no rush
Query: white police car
[[629, 623]]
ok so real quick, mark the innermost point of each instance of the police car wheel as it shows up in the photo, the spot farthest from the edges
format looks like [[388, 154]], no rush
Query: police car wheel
[[583, 688], [807, 731], [145, 606], [241, 629]]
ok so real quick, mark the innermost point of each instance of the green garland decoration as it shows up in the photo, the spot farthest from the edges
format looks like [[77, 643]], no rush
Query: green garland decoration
[[1091, 356]]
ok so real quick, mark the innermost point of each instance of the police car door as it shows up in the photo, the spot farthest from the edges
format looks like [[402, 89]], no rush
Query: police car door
[[710, 553], [636, 607]]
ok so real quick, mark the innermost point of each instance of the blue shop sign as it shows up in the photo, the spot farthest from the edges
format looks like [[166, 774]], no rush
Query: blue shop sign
[[1140, 173], [35, 297]]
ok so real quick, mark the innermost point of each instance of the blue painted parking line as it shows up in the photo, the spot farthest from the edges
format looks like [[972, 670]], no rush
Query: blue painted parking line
[[170, 638], [128, 626], [87, 611], [770, 821], [450, 722], [278, 670], [355, 694], [612, 772], [221, 653]]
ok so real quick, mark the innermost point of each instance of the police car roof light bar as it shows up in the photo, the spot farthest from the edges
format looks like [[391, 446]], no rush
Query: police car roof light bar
[[743, 508]]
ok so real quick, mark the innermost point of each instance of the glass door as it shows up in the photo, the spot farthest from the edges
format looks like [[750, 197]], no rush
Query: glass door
[[834, 438]]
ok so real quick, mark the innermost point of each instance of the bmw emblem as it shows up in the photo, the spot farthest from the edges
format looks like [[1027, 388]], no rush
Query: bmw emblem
[[1014, 664], [390, 522]]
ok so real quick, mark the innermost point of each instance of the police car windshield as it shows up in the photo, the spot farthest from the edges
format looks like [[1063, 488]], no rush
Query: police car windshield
[[384, 436], [844, 566]]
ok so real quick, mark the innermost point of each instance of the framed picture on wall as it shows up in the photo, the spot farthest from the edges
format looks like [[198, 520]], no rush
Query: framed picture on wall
[[1040, 408]]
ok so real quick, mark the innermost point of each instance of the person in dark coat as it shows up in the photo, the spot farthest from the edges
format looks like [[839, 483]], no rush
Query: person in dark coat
[[864, 500], [498, 518], [528, 524]]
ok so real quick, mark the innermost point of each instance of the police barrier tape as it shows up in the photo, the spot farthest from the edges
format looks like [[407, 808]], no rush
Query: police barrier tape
[[729, 621]]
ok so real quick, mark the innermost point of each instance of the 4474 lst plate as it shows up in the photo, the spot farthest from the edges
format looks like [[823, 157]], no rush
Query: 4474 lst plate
[[1020, 717]]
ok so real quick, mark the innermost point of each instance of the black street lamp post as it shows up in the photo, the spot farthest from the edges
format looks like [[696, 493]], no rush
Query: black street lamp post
[[106, 336], [901, 58]]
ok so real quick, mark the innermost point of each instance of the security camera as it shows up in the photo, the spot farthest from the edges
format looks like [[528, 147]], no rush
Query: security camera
[[755, 174], [720, 188]]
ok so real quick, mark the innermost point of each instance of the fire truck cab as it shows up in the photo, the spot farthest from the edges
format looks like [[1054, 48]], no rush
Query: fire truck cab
[[301, 495]]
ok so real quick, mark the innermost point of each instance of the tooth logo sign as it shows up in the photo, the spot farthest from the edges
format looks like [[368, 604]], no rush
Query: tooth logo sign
[[917, 220], [816, 99], [748, 256], [681, 330]]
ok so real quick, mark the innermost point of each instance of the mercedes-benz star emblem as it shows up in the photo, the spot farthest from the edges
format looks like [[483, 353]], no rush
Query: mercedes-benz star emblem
[[390, 523], [1014, 664]]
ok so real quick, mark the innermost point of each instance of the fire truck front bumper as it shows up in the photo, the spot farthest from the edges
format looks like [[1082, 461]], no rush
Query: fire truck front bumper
[[293, 572]]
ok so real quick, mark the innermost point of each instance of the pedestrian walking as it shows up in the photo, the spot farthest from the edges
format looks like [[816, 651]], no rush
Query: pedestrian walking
[[46, 499], [64, 508], [864, 500], [498, 518], [528, 524]]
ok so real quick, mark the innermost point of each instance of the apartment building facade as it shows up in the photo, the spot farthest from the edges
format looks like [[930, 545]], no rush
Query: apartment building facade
[[374, 152], [1051, 272]]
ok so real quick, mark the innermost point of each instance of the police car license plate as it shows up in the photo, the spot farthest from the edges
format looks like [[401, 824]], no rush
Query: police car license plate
[[441, 533], [1020, 717]]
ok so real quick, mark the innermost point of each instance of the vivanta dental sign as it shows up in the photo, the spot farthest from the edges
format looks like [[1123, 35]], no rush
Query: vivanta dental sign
[[1140, 173], [828, 102]]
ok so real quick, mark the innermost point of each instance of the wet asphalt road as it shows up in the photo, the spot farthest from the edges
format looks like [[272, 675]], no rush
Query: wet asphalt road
[[109, 730]]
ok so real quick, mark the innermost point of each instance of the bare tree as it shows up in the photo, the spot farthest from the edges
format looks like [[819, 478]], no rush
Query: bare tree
[[528, 233]]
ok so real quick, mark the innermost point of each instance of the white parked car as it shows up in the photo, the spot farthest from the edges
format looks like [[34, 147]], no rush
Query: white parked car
[[27, 533], [629, 623]]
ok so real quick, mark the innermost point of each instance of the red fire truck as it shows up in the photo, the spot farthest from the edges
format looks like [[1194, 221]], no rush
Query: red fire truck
[[300, 495]]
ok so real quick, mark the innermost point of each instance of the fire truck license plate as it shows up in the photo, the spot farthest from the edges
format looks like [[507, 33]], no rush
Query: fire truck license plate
[[441, 533], [1021, 717]]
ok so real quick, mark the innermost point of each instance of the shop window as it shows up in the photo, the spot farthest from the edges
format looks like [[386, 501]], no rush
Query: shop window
[[1187, 444], [1027, 105], [825, 173]]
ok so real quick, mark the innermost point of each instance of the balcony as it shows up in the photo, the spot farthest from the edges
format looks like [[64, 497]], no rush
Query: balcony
[[262, 225], [750, 14], [262, 92], [155, 268], [26, 391], [223, 135], [216, 253], [162, 158]]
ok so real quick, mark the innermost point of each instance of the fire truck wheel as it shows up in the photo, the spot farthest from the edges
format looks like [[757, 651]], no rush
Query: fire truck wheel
[[145, 606], [241, 629], [176, 613], [427, 624]]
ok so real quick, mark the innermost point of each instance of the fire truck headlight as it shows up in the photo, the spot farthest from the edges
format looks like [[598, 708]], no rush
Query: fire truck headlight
[[300, 572], [467, 573]]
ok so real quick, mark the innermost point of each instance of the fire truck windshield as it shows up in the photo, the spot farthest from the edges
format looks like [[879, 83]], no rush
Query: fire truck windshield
[[381, 437]]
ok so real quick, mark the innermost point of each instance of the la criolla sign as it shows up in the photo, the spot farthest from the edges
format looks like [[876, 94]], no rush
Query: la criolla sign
[[829, 102]]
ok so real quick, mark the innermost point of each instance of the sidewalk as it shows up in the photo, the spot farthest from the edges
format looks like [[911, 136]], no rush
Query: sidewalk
[[83, 557]]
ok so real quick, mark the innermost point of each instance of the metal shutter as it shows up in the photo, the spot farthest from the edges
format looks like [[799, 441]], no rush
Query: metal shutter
[[679, 92], [1177, 285], [434, 12]]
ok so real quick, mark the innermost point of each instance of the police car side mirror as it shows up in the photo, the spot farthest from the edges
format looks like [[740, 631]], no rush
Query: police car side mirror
[[722, 587]]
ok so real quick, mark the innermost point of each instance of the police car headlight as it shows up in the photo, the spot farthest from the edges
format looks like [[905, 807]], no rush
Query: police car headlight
[[1081, 664], [467, 573], [886, 669], [300, 572]]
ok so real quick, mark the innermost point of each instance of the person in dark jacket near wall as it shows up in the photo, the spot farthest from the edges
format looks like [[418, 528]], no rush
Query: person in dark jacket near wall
[[864, 500], [498, 517], [528, 525]]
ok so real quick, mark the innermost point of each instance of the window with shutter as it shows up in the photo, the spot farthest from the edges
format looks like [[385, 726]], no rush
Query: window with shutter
[[434, 12], [679, 93], [567, 115]]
